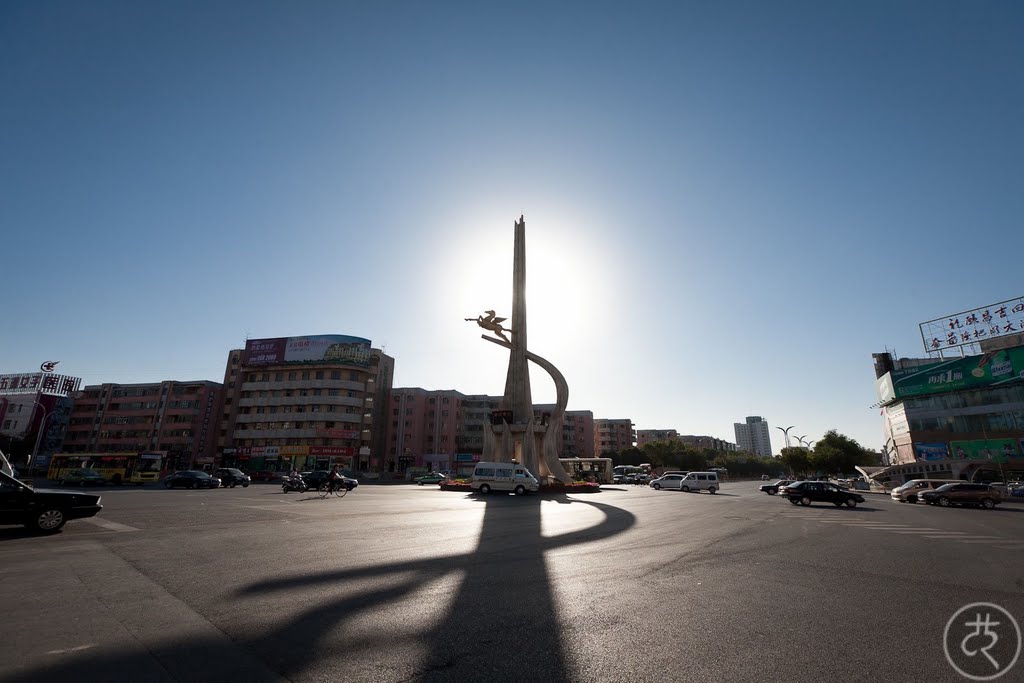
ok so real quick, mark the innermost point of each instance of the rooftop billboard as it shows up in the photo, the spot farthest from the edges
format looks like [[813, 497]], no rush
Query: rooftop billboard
[[320, 348], [974, 326], [990, 369]]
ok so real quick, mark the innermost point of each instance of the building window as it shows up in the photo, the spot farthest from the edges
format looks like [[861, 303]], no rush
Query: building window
[[335, 374]]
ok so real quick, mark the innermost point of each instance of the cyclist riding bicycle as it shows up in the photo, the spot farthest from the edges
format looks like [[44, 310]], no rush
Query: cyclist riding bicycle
[[333, 479]]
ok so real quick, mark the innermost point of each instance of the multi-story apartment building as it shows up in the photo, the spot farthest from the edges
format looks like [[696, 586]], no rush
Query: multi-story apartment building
[[753, 436], [714, 443], [646, 436], [423, 428], [444, 429], [577, 437], [475, 417], [613, 436], [179, 418], [305, 403]]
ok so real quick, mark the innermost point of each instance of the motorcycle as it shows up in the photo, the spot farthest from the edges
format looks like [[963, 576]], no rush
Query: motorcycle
[[294, 484]]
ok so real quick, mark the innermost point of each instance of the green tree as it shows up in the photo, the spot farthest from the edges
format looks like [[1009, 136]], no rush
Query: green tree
[[836, 453], [796, 459]]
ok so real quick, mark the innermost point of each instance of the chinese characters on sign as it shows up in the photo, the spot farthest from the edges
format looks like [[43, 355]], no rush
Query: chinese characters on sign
[[971, 327], [33, 382]]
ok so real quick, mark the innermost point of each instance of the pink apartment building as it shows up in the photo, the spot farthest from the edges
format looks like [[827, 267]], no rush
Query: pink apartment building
[[613, 436], [180, 418]]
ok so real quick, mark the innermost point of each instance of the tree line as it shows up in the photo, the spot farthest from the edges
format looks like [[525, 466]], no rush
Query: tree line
[[834, 454]]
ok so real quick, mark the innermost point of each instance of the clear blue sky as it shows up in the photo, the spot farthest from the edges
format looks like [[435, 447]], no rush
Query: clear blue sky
[[729, 205]]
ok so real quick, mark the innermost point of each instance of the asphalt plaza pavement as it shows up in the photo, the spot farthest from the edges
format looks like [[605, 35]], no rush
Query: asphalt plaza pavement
[[408, 583]]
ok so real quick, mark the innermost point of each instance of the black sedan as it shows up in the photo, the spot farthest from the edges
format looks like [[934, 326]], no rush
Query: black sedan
[[43, 511], [191, 479], [232, 476], [317, 477], [807, 492], [772, 489]]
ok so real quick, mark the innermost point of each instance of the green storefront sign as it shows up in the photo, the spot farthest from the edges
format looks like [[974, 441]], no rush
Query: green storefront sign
[[971, 372]]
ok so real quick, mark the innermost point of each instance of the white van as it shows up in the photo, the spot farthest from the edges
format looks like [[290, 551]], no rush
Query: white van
[[696, 481], [502, 476]]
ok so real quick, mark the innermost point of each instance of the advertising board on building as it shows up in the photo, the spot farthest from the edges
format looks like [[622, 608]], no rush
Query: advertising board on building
[[973, 326], [931, 451], [970, 372], [38, 382], [321, 348], [986, 449]]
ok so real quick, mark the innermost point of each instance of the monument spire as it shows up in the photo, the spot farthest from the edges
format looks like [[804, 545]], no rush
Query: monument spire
[[518, 398]]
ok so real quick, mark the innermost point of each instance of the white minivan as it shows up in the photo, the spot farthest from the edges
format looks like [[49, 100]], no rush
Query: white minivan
[[696, 481], [502, 476]]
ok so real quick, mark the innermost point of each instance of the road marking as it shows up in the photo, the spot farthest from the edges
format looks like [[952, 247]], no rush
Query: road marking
[[107, 524], [979, 539], [952, 535], [77, 648]]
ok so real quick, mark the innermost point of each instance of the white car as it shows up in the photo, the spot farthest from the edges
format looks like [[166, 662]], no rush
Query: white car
[[668, 481]]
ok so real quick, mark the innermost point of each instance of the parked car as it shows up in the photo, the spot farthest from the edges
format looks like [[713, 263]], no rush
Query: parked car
[[315, 478], [772, 489], [232, 476], [807, 492], [963, 494], [191, 479], [432, 478], [911, 490], [668, 481], [83, 477], [42, 511]]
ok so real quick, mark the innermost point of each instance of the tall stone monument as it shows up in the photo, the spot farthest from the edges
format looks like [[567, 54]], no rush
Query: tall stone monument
[[516, 433]]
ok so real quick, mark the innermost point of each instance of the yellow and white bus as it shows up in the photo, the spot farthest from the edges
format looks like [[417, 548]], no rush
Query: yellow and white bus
[[117, 468]]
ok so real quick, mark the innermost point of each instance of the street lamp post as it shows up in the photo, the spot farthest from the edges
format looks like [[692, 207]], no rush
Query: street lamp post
[[39, 435], [786, 433]]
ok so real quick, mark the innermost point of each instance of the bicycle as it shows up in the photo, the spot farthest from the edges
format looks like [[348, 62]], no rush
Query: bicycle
[[325, 489]]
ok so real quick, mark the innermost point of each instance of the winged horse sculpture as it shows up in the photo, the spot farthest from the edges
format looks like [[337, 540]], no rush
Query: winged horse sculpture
[[492, 323]]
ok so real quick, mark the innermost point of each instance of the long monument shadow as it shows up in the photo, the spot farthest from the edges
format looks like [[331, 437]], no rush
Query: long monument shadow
[[502, 623]]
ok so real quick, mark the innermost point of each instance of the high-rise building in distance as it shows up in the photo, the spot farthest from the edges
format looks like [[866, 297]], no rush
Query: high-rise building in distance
[[753, 436]]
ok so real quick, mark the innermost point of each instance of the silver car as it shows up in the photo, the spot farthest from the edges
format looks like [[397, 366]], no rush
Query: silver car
[[668, 481]]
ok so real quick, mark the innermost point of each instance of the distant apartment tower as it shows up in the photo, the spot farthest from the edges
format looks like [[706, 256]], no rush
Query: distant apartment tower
[[613, 436], [646, 436], [305, 403], [708, 442], [753, 437], [180, 418]]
